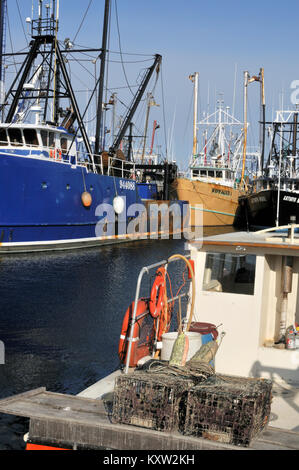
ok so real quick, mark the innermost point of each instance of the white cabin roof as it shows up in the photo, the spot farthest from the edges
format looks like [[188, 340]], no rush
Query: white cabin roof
[[37, 127], [282, 241]]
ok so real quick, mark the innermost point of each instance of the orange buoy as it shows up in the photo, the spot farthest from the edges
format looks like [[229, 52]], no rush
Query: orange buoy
[[86, 199]]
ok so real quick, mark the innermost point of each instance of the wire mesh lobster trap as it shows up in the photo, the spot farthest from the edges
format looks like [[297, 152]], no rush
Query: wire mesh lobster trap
[[154, 398], [228, 409]]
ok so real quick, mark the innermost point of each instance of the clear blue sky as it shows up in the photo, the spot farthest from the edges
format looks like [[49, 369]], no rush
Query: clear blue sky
[[211, 37]]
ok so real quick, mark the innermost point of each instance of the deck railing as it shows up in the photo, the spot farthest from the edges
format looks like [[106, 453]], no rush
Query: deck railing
[[112, 166]]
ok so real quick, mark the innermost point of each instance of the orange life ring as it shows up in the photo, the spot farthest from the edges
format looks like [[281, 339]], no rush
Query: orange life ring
[[164, 322], [157, 299], [143, 334]]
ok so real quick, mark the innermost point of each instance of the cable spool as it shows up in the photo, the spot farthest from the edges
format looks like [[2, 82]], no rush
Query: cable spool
[[86, 199]]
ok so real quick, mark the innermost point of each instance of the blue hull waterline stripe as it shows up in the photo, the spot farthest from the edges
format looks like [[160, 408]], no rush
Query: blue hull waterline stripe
[[214, 212]]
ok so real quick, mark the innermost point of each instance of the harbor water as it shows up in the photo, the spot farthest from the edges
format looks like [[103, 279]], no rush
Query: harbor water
[[61, 317]]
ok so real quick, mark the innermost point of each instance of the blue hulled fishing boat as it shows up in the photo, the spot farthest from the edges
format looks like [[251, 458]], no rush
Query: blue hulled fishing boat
[[56, 184]]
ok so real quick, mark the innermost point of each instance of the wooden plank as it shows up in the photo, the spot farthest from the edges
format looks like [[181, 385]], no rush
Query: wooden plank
[[70, 420], [61, 401], [42, 404], [28, 394]]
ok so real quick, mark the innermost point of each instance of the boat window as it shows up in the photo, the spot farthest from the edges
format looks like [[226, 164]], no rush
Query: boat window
[[63, 144], [15, 137], [211, 173], [218, 174], [30, 136], [44, 136], [203, 173], [51, 139], [3, 137], [225, 272]]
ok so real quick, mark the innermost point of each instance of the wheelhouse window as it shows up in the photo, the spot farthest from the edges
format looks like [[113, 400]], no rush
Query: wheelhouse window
[[230, 273], [30, 136], [15, 137], [51, 139], [3, 137], [63, 144], [48, 139], [44, 136]]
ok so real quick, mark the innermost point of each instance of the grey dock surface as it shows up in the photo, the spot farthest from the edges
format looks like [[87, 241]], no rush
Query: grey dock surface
[[75, 421]]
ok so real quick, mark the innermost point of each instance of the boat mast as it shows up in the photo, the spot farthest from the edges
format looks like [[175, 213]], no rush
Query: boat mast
[[44, 42], [294, 146], [247, 80], [2, 46], [194, 79], [263, 123], [101, 81], [150, 102]]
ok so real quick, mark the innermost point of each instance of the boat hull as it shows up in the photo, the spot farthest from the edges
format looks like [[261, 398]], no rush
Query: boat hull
[[219, 202], [259, 210], [41, 206]]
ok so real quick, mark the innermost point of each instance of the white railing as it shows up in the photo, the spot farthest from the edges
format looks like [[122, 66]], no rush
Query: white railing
[[121, 168], [115, 167]]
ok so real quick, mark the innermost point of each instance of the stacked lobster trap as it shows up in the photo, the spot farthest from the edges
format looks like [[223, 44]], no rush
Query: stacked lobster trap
[[232, 410]]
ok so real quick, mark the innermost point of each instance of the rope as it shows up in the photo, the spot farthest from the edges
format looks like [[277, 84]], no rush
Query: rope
[[164, 118], [178, 256], [18, 7], [86, 11], [120, 49], [202, 371]]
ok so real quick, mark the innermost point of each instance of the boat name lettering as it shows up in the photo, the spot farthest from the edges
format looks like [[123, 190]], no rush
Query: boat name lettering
[[221, 191], [255, 200], [127, 185], [291, 199]]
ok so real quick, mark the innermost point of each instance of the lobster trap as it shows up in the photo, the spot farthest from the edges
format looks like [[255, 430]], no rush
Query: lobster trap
[[232, 410], [151, 400]]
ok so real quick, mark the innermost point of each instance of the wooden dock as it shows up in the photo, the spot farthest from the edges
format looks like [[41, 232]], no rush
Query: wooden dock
[[77, 422]]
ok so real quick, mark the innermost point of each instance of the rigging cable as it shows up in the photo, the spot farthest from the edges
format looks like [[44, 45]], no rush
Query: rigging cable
[[164, 118], [9, 32], [83, 19], [120, 49], [18, 7]]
